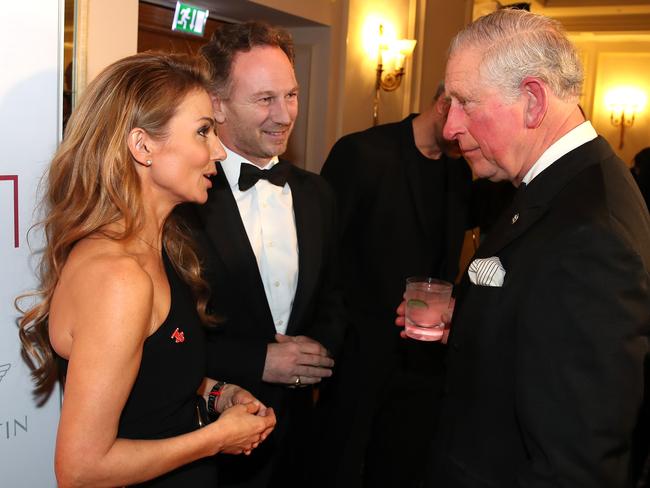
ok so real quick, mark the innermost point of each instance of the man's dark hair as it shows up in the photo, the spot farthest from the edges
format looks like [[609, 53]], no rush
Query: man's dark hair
[[231, 39]]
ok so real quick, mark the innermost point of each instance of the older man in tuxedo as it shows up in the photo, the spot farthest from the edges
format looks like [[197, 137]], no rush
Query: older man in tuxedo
[[267, 235], [550, 329]]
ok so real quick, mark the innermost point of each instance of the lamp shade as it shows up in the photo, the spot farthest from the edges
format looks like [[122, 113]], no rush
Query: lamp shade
[[405, 46], [625, 99]]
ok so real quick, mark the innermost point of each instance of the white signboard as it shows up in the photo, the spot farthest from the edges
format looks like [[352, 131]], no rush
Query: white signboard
[[29, 118]]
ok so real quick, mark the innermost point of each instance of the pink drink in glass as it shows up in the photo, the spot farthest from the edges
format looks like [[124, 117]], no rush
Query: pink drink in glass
[[427, 299]]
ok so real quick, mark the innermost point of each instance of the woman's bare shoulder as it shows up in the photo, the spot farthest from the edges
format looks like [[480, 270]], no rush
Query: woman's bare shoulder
[[105, 264], [101, 285]]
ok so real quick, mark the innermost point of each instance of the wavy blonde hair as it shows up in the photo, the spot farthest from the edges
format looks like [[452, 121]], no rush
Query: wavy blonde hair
[[92, 182]]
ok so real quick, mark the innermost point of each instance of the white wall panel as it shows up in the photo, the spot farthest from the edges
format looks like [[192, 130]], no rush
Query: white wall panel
[[29, 119]]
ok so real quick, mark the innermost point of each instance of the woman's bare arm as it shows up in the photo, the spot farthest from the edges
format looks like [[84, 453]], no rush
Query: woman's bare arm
[[112, 301]]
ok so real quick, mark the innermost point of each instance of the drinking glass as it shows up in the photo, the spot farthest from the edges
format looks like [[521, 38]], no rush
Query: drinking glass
[[427, 300]]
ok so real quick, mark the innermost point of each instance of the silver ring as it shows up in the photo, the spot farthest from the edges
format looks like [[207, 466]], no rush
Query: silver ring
[[297, 383]]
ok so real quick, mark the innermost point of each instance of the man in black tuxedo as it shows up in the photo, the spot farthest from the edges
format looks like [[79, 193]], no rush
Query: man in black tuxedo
[[268, 241], [550, 329], [402, 176]]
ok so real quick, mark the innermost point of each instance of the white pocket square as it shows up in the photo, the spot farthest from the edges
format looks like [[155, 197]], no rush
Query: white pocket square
[[487, 272]]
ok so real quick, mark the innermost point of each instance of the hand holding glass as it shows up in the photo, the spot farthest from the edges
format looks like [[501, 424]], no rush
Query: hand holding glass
[[427, 301]]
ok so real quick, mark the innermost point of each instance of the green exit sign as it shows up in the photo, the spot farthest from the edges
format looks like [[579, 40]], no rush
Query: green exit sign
[[189, 19]]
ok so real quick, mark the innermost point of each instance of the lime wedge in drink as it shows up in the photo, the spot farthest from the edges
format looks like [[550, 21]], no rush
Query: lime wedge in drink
[[414, 302]]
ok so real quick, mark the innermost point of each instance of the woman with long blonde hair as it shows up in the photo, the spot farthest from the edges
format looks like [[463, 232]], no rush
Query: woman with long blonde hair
[[121, 302]]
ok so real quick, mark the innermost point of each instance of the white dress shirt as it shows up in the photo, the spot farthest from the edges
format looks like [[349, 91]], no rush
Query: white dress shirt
[[576, 137], [267, 213]]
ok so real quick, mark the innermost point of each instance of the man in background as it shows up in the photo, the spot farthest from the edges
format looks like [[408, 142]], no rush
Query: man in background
[[268, 240], [403, 199]]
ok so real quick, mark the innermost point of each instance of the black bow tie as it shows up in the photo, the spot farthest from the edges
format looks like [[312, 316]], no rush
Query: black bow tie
[[249, 175]]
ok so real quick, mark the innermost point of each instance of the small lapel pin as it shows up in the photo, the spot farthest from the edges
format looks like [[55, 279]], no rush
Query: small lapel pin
[[515, 217], [178, 336]]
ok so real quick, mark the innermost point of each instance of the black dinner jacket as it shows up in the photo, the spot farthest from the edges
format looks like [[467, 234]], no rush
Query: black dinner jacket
[[545, 373], [385, 238], [385, 235], [237, 347]]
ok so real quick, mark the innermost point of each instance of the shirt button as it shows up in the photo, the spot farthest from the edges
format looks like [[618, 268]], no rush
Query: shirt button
[[280, 322], [264, 205], [270, 243], [276, 284]]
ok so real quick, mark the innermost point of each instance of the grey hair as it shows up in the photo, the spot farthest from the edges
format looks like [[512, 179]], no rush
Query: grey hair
[[516, 44]]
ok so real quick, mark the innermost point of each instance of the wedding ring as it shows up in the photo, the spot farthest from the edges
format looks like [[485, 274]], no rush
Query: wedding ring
[[297, 383]]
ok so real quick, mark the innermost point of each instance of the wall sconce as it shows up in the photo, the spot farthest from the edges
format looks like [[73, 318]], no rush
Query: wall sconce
[[624, 103], [390, 80]]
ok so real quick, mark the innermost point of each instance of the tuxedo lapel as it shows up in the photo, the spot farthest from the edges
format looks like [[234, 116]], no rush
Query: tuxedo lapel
[[225, 231], [512, 223], [310, 241], [527, 209]]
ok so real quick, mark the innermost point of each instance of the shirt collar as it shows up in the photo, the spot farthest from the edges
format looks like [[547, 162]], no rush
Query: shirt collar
[[568, 142], [232, 166]]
